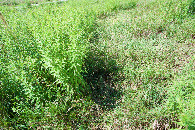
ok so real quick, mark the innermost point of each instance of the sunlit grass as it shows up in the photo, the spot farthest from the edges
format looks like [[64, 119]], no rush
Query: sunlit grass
[[114, 64]]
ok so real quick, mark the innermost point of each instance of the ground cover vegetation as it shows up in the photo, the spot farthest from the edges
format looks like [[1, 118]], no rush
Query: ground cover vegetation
[[95, 64]]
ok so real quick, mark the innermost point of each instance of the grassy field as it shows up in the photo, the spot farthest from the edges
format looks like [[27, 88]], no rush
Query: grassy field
[[97, 64]]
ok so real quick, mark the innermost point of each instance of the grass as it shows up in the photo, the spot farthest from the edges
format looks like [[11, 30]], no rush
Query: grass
[[153, 45], [111, 64]]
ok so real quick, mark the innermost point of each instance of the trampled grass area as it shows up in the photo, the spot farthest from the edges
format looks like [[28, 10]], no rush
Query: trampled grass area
[[98, 64]]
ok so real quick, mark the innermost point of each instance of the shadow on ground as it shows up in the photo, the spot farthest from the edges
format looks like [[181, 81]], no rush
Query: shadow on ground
[[102, 74]]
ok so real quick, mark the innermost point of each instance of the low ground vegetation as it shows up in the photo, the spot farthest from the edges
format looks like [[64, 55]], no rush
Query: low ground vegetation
[[113, 64]]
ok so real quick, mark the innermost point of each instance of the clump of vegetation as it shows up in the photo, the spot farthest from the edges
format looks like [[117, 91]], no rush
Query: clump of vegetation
[[97, 64]]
